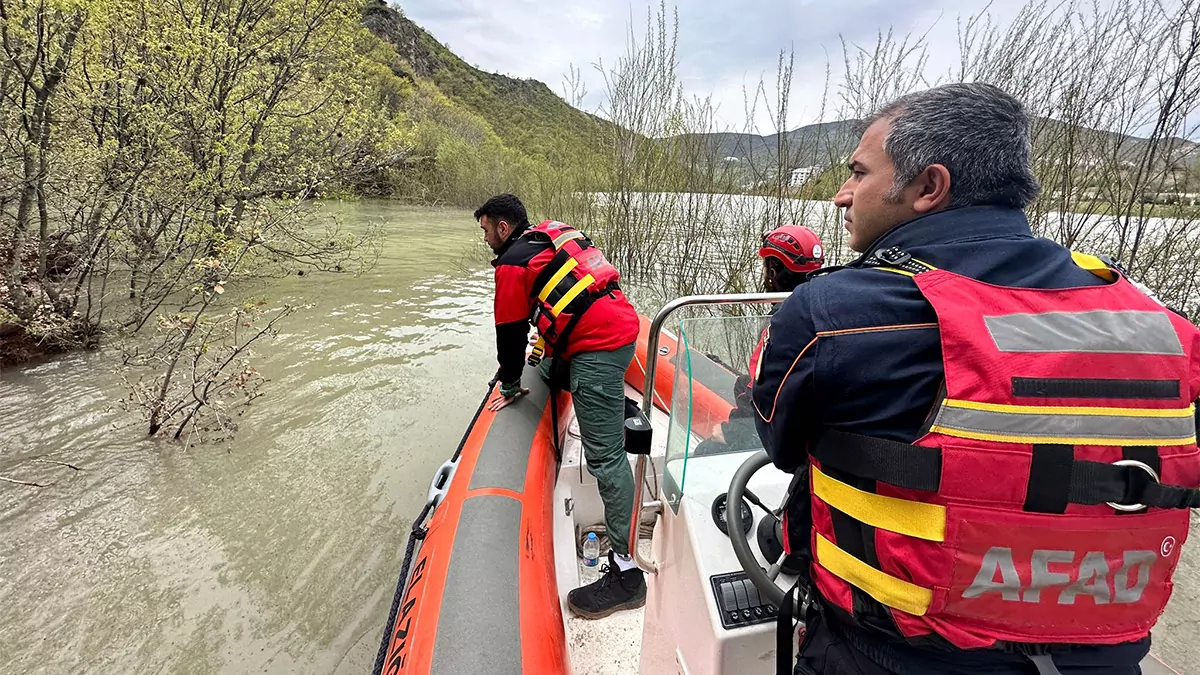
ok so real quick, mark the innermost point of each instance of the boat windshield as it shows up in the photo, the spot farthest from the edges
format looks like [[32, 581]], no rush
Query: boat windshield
[[711, 412]]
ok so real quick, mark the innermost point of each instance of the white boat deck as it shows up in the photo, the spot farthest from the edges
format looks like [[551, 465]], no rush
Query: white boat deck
[[612, 645], [608, 646]]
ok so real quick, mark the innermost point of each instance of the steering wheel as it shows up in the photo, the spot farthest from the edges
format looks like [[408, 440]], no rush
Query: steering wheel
[[763, 579]]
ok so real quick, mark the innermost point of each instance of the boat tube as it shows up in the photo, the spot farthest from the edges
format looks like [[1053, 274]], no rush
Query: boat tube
[[712, 401]]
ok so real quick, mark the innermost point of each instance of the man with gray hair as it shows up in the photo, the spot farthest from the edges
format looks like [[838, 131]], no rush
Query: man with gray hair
[[973, 413]]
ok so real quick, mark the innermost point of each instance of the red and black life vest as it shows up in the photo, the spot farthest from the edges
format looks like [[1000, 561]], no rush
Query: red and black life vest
[[1049, 495], [575, 278]]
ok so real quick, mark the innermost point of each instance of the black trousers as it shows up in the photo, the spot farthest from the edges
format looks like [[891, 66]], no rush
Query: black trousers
[[825, 651], [830, 648]]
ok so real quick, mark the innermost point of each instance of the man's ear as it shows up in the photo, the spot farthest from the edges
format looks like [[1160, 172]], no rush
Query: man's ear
[[933, 189]]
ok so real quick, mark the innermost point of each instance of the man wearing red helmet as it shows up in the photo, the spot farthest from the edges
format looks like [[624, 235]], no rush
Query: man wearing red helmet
[[789, 253]]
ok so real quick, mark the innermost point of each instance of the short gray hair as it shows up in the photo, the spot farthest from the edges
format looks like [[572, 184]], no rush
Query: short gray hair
[[977, 131]]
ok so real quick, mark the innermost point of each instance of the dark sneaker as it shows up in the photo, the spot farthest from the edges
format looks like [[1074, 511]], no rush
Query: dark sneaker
[[613, 592]]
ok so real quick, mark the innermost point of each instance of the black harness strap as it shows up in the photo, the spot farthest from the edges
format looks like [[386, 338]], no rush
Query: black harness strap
[[1147, 455], [900, 464], [1099, 483], [784, 630], [577, 308], [1049, 478], [1089, 483]]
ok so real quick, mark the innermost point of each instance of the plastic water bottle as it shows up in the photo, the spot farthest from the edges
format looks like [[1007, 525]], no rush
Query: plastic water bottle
[[591, 550]]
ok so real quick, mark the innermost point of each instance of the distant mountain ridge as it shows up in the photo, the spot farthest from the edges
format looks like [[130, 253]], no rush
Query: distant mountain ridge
[[828, 143], [531, 118]]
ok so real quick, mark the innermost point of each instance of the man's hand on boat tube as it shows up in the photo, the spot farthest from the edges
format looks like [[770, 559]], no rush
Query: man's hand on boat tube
[[506, 396]]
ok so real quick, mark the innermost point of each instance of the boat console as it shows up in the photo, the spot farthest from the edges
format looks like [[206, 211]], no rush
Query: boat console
[[704, 613]]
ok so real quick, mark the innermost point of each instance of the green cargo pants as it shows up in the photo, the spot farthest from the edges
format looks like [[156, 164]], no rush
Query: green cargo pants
[[597, 386]]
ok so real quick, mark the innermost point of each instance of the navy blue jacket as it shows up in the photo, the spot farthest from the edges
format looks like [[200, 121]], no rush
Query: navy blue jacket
[[857, 349]]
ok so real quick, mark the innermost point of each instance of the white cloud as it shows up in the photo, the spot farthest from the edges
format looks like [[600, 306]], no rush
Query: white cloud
[[724, 46]]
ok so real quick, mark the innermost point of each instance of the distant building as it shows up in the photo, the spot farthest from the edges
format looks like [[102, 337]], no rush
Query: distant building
[[804, 174]]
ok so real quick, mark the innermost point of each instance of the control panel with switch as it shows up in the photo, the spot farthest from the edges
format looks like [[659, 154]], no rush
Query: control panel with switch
[[738, 601]]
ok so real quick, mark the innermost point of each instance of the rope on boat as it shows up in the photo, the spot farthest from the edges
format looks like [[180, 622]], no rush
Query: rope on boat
[[417, 532]]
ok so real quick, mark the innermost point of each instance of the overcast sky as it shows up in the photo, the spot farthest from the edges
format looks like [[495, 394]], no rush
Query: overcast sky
[[724, 45]]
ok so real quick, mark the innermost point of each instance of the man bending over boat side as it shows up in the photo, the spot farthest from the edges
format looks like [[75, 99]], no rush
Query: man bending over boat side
[[998, 432], [552, 274]]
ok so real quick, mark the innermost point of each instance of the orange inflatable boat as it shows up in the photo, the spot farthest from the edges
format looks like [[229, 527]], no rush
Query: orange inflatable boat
[[479, 588], [479, 570]]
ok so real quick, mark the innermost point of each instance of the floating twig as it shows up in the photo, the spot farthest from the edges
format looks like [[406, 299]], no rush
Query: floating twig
[[21, 482], [52, 461]]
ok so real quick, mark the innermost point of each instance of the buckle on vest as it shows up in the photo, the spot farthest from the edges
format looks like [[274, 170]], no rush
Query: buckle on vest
[[536, 354], [1113, 263], [893, 255], [1129, 508]]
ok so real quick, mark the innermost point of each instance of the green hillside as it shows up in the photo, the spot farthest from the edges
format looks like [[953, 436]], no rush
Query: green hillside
[[525, 114]]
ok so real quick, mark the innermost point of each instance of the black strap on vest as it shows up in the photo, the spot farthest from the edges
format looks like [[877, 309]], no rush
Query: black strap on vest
[[901, 464], [1146, 455], [784, 632], [580, 305], [1049, 486], [1100, 483], [919, 468]]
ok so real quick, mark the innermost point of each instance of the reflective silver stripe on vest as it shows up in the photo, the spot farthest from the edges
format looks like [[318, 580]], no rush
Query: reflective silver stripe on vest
[[1103, 331], [1138, 427]]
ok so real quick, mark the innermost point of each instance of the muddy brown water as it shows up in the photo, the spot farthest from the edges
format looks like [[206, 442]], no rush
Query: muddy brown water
[[276, 552]]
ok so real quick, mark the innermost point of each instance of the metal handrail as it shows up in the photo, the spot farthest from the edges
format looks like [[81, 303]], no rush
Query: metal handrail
[[655, 506]]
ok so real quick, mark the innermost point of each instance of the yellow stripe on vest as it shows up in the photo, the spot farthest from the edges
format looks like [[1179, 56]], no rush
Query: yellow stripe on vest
[[891, 591], [1063, 440], [914, 519], [579, 287], [558, 276]]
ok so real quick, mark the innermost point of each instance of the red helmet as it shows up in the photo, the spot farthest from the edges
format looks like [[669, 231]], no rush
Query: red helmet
[[796, 246]]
